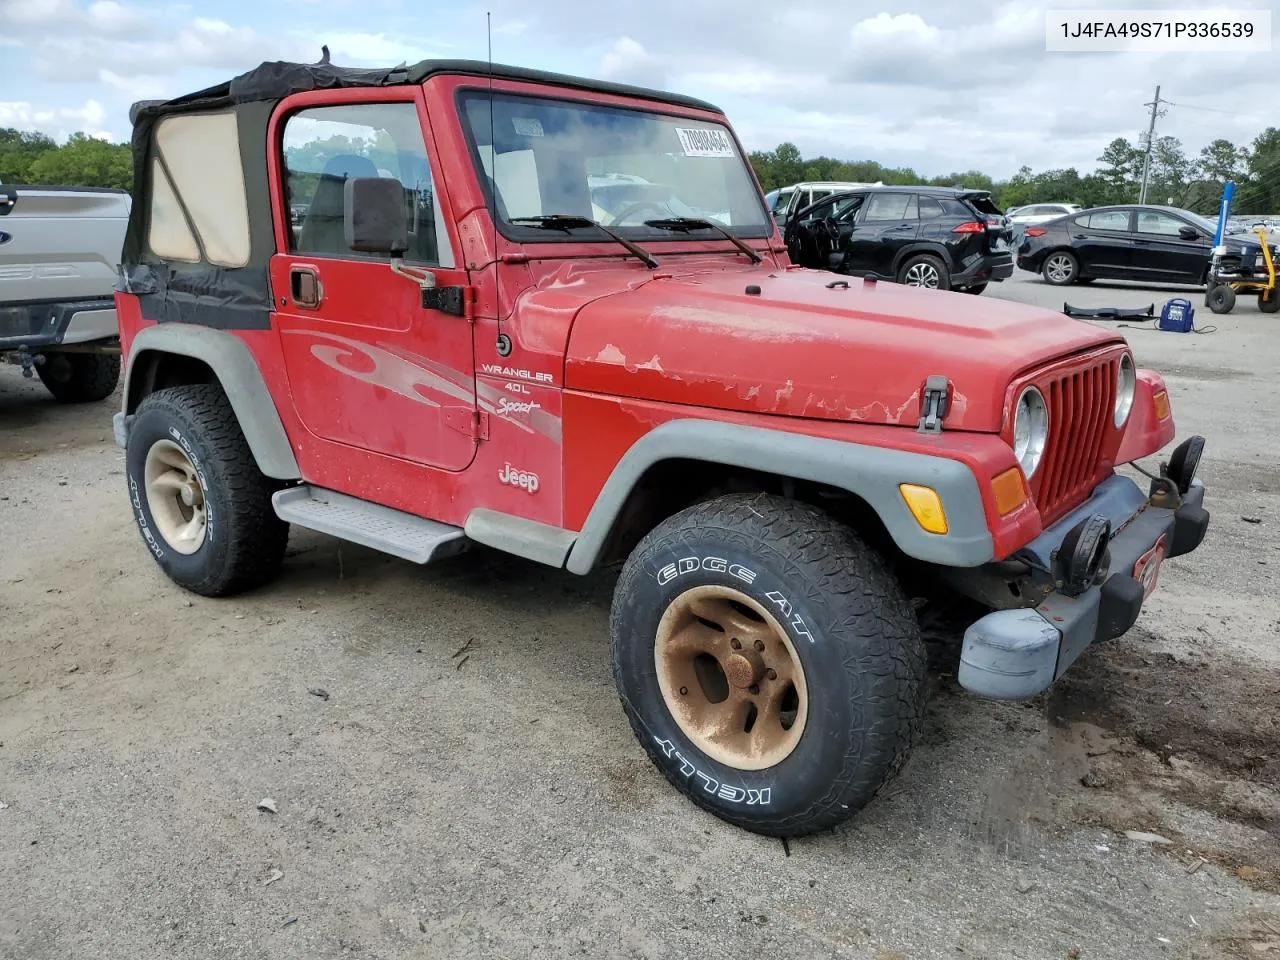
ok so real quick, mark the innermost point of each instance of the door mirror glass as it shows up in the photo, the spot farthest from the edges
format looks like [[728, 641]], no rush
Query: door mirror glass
[[375, 217]]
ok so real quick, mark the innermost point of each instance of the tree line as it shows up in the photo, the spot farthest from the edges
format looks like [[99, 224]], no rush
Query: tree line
[[1194, 183]]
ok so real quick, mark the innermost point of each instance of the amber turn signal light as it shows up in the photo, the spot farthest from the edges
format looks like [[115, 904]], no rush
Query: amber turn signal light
[[1160, 400], [926, 506], [1009, 491]]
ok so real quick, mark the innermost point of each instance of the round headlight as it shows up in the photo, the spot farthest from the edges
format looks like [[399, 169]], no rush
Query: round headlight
[[1126, 386], [1030, 430]]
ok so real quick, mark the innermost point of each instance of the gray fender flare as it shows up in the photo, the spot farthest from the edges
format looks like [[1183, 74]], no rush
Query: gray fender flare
[[237, 371], [872, 473]]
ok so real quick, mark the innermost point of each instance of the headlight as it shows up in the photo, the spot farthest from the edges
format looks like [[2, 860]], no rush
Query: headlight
[[1030, 430], [1126, 386]]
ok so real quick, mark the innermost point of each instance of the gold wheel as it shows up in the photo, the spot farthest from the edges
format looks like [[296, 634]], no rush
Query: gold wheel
[[175, 497], [730, 677]]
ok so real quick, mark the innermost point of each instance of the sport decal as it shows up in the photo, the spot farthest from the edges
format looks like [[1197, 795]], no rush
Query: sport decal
[[428, 382]]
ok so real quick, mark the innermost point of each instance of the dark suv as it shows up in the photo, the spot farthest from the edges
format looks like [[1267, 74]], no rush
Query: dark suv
[[938, 237]]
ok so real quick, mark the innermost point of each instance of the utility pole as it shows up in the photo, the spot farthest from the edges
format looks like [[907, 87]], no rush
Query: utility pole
[[1151, 131]]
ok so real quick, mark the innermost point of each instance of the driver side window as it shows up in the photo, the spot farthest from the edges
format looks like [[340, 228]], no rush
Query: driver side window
[[324, 147]]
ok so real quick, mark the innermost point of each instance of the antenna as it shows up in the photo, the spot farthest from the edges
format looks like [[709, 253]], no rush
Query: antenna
[[504, 341]]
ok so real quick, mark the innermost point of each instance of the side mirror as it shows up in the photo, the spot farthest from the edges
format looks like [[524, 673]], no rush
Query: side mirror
[[1188, 233], [374, 215]]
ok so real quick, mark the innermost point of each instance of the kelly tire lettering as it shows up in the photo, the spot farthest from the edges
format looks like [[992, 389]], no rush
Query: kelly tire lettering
[[244, 540], [847, 620]]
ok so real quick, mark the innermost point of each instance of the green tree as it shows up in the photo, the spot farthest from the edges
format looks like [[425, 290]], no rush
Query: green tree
[[1121, 170], [85, 161], [18, 150], [1171, 173], [1260, 191]]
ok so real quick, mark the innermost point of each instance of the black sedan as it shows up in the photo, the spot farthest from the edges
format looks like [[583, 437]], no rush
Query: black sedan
[[1143, 243]]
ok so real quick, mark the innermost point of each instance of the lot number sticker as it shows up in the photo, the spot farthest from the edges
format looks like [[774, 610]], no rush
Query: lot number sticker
[[701, 142]]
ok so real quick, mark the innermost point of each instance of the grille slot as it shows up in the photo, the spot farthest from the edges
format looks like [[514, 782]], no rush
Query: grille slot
[[1081, 402]]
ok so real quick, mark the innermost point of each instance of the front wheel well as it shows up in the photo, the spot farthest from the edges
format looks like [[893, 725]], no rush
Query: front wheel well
[[154, 370], [670, 486]]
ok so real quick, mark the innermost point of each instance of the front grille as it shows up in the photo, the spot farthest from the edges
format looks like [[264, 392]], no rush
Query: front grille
[[1081, 404]]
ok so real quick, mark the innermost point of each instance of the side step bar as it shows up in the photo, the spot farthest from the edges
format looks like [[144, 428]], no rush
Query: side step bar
[[369, 524]]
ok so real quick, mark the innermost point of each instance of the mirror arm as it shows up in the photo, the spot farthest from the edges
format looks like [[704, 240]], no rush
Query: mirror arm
[[423, 278]]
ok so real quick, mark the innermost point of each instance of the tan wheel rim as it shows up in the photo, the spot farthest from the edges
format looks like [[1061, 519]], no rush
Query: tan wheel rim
[[731, 678], [175, 497]]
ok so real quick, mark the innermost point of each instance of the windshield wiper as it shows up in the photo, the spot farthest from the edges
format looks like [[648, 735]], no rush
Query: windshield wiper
[[568, 221], [689, 224]]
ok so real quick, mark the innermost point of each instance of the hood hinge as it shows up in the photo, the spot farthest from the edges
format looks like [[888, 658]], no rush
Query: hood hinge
[[935, 401]]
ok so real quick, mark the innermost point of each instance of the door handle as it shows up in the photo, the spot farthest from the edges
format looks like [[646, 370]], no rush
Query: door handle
[[305, 287]]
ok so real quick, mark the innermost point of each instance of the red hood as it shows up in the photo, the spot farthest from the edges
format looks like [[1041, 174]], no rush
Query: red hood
[[802, 349]]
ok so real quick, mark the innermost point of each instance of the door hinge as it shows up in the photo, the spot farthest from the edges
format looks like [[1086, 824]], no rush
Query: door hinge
[[468, 422], [935, 401], [459, 301]]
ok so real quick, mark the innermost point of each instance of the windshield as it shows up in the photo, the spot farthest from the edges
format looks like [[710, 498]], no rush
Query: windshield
[[619, 167]]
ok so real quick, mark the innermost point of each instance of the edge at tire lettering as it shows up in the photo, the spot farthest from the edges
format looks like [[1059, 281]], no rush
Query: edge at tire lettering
[[725, 791], [687, 565]]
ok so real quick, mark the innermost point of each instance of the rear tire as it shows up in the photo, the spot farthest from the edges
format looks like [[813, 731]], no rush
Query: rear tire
[[1061, 268], [1221, 298], [925, 270], [79, 377], [829, 616], [201, 504], [1269, 302]]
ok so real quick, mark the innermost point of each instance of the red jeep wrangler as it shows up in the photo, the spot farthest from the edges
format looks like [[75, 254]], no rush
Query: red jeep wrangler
[[447, 304]]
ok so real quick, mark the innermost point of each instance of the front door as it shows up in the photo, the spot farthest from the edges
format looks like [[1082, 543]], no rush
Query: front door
[[886, 224], [367, 364], [1160, 252]]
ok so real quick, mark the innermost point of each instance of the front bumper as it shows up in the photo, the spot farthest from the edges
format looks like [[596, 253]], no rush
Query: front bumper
[[1016, 654]]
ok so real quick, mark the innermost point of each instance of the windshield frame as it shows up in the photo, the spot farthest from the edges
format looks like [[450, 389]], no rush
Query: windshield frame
[[522, 234]]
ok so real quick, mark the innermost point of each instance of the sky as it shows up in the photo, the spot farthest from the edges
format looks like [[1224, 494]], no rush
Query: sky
[[937, 85]]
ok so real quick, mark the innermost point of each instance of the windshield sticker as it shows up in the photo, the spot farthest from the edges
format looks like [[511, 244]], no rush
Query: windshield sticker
[[527, 126], [701, 142]]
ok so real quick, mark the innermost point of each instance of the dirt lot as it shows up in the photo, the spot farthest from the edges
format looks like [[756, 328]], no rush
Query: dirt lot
[[495, 804]]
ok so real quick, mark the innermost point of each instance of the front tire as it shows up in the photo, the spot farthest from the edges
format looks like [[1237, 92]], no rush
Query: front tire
[[768, 662], [1060, 268], [201, 504], [79, 377]]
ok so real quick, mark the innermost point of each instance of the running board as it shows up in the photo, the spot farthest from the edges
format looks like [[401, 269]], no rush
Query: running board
[[368, 524]]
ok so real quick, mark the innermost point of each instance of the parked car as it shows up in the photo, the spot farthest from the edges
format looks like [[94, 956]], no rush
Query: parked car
[[781, 464], [939, 237], [1040, 212], [786, 201], [1144, 243], [60, 248]]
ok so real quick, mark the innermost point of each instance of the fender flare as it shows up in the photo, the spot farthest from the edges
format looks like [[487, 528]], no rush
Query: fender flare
[[240, 378], [872, 473], [919, 247]]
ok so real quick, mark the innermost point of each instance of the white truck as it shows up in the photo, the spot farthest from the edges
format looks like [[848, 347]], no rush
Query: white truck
[[60, 251]]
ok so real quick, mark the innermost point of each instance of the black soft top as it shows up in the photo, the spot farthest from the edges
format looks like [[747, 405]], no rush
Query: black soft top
[[276, 80]]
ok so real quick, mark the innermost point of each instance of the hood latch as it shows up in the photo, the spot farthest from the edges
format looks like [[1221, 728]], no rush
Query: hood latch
[[935, 401]]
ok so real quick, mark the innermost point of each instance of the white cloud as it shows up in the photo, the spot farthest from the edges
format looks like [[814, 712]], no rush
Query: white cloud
[[59, 122], [375, 48], [629, 62]]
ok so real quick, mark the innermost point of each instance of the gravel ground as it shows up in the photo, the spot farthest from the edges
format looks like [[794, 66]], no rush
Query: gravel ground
[[495, 804]]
